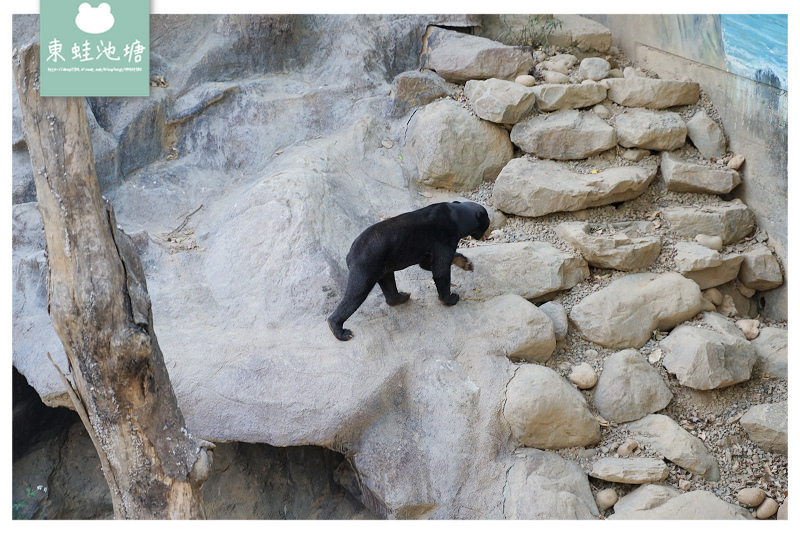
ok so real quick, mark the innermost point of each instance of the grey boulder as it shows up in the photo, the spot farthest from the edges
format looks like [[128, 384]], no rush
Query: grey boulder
[[568, 134], [534, 188], [710, 358], [625, 313]]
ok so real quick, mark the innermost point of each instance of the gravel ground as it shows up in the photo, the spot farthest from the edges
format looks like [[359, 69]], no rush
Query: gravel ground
[[711, 416]]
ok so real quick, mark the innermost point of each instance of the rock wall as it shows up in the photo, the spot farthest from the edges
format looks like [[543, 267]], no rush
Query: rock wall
[[754, 114], [57, 476], [246, 175]]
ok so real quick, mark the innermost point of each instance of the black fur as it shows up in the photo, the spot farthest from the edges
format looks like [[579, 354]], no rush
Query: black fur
[[427, 237]]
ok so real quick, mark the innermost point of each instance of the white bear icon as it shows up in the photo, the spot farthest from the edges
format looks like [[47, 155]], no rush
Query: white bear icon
[[94, 19]]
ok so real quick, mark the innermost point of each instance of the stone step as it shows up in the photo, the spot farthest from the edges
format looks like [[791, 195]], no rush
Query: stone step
[[534, 188], [459, 57]]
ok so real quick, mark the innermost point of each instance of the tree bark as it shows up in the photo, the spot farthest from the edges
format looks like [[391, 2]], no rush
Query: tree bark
[[99, 306]]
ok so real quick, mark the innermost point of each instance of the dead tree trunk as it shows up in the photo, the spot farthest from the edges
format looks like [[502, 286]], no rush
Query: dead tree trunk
[[100, 308]]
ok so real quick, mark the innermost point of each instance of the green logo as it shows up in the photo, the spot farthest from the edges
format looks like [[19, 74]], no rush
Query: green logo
[[99, 48]]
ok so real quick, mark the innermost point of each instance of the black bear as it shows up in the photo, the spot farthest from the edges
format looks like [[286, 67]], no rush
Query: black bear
[[427, 237]]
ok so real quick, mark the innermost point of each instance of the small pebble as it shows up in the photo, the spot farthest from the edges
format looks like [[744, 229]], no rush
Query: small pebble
[[736, 162], [583, 214], [684, 484], [554, 77], [708, 305], [627, 447], [713, 295], [727, 307], [583, 375], [558, 315], [709, 241], [783, 510], [632, 72], [635, 154], [655, 356], [601, 111], [605, 499], [767, 508], [747, 292], [525, 79], [751, 496], [749, 327]]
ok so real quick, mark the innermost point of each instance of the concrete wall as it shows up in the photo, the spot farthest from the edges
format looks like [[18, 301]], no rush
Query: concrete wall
[[754, 115]]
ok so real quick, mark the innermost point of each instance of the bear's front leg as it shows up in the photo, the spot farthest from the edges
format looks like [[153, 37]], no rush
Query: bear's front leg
[[440, 265], [462, 262]]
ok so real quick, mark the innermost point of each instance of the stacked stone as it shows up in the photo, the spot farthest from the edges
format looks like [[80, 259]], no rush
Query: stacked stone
[[557, 123], [528, 137]]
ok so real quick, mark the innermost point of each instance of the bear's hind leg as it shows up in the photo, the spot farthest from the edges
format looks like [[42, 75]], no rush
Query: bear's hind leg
[[356, 292], [390, 292]]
